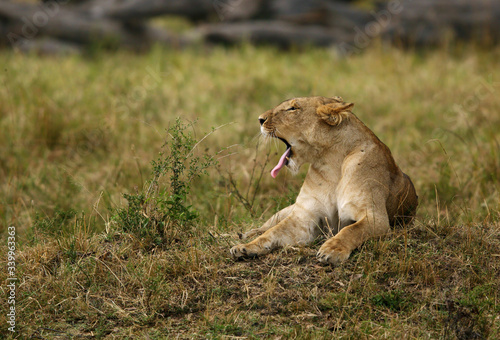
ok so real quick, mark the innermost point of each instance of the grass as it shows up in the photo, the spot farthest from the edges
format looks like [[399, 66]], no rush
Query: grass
[[79, 132]]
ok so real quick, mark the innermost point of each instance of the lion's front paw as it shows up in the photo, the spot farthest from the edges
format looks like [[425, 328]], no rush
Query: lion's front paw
[[333, 252], [243, 250]]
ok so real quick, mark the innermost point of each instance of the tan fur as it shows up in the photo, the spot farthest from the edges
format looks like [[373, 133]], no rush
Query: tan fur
[[353, 186]]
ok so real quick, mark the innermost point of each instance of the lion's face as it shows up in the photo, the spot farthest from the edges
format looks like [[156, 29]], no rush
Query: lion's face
[[303, 125]]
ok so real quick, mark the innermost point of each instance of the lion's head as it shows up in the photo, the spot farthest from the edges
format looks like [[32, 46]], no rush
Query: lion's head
[[304, 125]]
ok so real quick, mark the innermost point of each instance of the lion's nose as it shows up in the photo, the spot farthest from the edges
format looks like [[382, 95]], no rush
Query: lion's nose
[[262, 120]]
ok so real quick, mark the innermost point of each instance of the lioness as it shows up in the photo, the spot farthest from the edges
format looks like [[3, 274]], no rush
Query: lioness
[[353, 186]]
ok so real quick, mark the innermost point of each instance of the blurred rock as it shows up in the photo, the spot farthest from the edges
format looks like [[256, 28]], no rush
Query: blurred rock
[[435, 22], [24, 22], [278, 33], [284, 23]]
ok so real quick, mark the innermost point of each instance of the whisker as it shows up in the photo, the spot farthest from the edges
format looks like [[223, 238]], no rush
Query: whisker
[[274, 141], [278, 131], [256, 137]]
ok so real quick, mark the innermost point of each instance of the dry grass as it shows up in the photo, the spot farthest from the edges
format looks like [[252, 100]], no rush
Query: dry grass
[[78, 133]]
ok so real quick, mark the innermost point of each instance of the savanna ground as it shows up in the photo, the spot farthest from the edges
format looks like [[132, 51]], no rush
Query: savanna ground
[[80, 132]]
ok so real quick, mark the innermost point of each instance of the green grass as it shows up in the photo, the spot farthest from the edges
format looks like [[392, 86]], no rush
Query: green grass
[[79, 132]]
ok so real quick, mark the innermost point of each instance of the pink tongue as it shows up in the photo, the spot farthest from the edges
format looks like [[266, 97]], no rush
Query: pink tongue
[[278, 167]]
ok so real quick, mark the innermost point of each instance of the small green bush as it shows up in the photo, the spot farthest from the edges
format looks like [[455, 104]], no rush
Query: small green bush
[[161, 214]]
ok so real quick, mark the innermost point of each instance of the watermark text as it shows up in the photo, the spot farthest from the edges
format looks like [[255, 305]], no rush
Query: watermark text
[[11, 278]]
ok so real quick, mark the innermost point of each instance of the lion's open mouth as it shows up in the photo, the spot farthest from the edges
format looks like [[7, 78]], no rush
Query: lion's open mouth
[[285, 158]]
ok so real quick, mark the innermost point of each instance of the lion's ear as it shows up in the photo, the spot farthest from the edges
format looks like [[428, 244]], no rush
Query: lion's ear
[[334, 113]]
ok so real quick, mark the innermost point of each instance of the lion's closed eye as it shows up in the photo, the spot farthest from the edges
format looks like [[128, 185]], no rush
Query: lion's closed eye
[[293, 106]]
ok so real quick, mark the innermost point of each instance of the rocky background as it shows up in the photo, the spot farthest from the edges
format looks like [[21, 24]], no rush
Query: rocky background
[[54, 26]]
